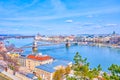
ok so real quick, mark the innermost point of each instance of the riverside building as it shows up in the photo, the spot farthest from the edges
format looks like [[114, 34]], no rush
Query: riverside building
[[46, 71], [35, 60]]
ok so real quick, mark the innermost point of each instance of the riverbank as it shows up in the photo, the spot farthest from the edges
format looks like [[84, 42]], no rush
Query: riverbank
[[101, 45], [106, 45]]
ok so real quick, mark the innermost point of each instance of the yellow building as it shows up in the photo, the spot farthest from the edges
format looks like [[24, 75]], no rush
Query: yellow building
[[13, 55]]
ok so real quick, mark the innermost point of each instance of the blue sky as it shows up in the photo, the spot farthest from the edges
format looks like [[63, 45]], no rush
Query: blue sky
[[54, 17]]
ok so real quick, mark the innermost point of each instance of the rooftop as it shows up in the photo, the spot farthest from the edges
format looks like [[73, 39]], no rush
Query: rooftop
[[39, 57], [31, 76], [50, 67]]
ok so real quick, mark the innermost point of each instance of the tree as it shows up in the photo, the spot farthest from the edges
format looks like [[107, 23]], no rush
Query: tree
[[67, 70], [82, 71], [39, 78], [13, 64], [106, 76], [81, 68], [99, 67], [93, 73], [71, 78], [59, 74], [78, 59], [115, 71]]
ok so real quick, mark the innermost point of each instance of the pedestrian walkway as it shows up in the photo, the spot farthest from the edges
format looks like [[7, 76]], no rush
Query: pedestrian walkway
[[11, 75]]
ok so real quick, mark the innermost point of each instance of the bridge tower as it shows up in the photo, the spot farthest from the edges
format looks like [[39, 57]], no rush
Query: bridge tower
[[67, 43], [34, 47]]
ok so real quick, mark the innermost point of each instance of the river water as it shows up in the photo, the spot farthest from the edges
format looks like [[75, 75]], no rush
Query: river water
[[94, 54]]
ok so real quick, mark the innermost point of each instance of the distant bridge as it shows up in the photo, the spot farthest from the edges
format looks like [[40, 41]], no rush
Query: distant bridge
[[48, 44], [39, 45]]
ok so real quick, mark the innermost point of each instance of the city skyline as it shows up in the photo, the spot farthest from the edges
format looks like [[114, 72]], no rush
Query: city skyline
[[59, 16]]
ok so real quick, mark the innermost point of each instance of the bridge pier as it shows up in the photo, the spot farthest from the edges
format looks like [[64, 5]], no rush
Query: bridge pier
[[34, 48], [76, 43], [67, 44]]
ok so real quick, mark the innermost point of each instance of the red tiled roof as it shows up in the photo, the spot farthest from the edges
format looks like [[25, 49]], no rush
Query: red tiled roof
[[41, 58]]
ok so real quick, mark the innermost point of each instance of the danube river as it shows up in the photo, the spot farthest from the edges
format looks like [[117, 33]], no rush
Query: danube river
[[94, 54]]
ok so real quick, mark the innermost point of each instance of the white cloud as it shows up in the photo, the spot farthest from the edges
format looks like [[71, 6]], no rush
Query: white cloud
[[69, 21], [88, 24], [111, 24]]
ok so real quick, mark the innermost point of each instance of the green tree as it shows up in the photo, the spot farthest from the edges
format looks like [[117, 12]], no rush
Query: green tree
[[99, 68], [81, 68], [115, 71], [71, 78], [78, 59], [106, 76]]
